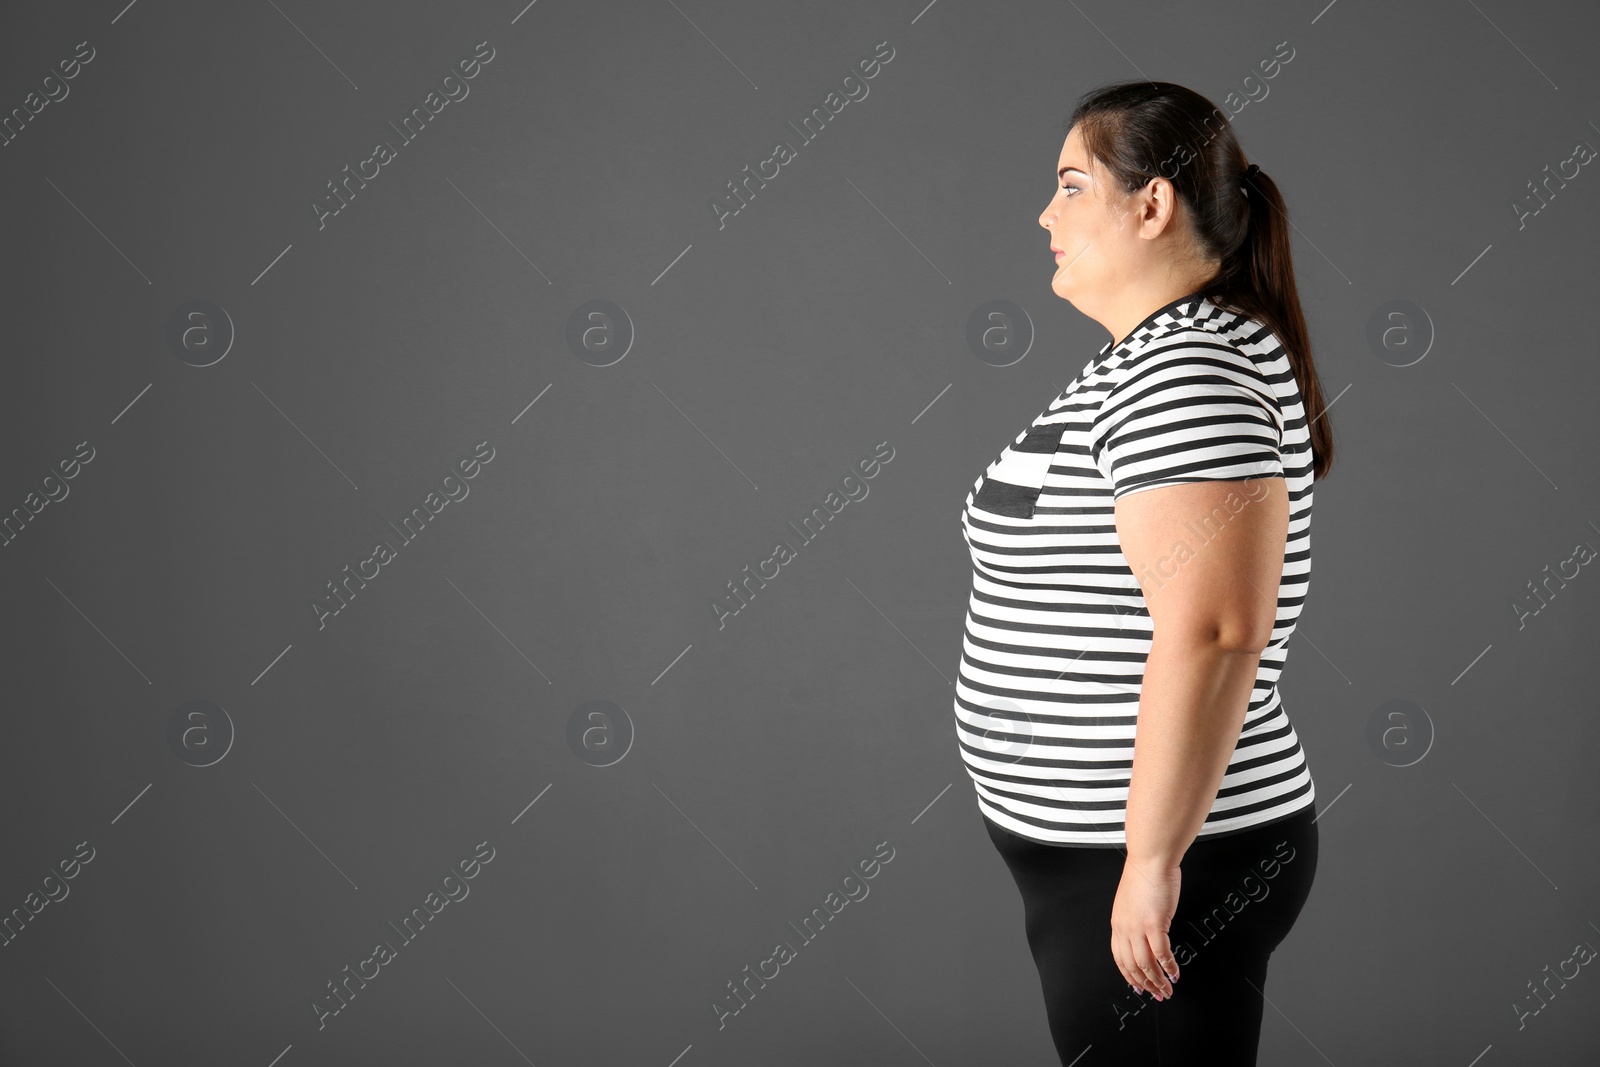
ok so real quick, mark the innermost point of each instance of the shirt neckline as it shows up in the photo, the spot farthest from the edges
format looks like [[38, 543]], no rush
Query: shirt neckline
[[1108, 348]]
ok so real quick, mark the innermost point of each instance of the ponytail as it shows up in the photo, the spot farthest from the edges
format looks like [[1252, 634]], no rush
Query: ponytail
[[1258, 282]]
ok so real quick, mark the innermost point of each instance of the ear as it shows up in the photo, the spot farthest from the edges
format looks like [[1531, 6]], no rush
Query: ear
[[1157, 204]]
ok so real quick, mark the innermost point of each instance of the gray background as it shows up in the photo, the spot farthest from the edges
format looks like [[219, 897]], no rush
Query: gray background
[[763, 760]]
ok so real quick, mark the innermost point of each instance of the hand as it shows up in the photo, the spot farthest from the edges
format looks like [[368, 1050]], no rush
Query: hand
[[1147, 898]]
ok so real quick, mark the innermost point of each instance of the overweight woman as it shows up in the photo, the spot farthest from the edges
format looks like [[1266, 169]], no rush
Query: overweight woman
[[1141, 553]]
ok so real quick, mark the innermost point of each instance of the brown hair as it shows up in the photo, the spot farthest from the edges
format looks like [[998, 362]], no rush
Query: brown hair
[[1143, 130]]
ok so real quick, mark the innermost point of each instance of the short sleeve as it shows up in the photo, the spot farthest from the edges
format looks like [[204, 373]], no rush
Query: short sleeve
[[1188, 413]]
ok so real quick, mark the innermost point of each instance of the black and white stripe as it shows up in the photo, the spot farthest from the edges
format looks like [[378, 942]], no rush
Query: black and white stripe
[[1057, 630]]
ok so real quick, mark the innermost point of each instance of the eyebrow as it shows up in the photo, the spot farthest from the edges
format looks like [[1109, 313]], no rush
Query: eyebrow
[[1062, 173]]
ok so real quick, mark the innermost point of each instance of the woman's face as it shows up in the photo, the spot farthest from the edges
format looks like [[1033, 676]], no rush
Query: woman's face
[[1090, 222]]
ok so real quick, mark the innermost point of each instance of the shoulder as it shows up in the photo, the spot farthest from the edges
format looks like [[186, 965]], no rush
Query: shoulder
[[1185, 356], [1188, 373]]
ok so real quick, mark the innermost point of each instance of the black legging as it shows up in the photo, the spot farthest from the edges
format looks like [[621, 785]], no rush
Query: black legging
[[1239, 897]]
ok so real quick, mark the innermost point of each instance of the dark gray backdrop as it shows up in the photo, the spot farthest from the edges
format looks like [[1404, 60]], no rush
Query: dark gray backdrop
[[216, 802]]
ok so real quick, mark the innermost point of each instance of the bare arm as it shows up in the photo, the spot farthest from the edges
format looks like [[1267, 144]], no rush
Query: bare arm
[[1208, 556]]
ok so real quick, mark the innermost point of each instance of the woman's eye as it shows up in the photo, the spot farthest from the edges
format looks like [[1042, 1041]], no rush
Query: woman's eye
[[1069, 189]]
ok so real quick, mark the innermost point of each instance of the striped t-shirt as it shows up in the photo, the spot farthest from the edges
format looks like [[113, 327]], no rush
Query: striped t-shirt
[[1057, 630]]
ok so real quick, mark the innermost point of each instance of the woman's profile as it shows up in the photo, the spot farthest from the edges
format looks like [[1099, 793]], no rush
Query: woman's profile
[[1141, 553]]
